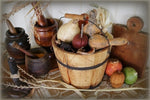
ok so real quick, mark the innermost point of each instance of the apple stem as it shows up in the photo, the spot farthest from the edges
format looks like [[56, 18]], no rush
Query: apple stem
[[82, 30]]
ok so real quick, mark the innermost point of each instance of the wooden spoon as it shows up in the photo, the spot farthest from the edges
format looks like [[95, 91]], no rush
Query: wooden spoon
[[98, 41]]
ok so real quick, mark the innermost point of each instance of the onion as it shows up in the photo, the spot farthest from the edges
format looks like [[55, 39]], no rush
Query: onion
[[68, 30]]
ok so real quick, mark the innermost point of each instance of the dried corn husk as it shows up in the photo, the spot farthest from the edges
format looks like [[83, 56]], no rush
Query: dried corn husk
[[104, 19]]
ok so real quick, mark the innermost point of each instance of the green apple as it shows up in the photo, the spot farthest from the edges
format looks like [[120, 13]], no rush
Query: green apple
[[130, 75]]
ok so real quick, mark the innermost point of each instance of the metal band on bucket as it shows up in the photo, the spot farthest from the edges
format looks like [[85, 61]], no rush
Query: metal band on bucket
[[82, 68]]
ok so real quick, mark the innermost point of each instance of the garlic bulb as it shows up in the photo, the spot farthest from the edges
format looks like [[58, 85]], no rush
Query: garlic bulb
[[68, 30]]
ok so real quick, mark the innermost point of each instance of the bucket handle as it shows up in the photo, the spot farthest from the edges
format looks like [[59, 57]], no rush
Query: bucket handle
[[85, 19], [90, 67]]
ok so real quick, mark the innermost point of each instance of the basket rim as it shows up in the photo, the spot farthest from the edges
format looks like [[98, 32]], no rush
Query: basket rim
[[54, 45]]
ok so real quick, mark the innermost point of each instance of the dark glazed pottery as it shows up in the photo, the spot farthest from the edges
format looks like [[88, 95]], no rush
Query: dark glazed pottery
[[38, 66], [22, 39]]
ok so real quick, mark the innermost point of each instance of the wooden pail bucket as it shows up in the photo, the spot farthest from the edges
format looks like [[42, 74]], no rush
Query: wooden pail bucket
[[81, 71]]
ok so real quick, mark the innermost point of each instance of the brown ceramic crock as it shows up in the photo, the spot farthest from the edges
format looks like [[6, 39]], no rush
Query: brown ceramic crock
[[43, 34], [38, 66], [22, 39]]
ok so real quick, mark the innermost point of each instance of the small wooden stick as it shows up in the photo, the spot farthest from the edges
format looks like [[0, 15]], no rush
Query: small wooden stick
[[82, 30]]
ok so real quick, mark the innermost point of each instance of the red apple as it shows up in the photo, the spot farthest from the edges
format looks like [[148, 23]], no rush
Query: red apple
[[113, 65], [79, 41]]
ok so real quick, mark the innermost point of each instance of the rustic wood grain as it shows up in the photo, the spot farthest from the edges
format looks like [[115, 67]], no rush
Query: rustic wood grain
[[135, 53]]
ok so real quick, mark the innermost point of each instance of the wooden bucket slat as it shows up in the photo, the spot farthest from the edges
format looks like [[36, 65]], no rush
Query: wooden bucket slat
[[81, 78]]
